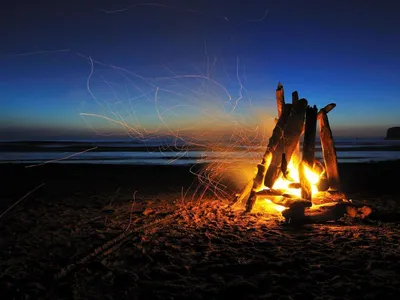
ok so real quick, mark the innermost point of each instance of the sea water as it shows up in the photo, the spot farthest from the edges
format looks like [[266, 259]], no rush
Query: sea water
[[161, 152]]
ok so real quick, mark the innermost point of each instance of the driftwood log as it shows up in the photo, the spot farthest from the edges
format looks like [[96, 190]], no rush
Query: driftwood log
[[328, 148], [308, 151]]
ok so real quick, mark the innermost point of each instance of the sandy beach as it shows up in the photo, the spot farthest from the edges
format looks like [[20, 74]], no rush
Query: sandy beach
[[139, 232]]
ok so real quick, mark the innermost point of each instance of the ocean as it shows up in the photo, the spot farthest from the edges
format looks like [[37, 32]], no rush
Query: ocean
[[162, 152]]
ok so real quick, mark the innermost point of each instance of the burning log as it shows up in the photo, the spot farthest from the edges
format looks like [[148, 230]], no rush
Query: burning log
[[308, 151], [291, 135], [328, 148], [309, 136]]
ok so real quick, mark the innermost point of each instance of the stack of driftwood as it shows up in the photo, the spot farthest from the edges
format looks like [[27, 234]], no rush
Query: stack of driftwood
[[293, 120]]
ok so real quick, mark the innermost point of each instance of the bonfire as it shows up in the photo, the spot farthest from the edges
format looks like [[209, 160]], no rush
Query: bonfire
[[293, 181]]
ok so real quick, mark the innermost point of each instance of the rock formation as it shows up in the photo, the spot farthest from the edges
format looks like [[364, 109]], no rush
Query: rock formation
[[393, 133]]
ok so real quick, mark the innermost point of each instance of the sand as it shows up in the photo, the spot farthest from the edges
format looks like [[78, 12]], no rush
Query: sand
[[128, 232]]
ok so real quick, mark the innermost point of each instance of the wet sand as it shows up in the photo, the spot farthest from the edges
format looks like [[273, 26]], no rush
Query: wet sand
[[131, 232]]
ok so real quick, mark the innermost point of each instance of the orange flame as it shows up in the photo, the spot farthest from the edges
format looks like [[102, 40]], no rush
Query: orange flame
[[283, 184]]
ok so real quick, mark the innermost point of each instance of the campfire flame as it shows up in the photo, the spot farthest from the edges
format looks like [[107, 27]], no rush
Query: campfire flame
[[283, 183]]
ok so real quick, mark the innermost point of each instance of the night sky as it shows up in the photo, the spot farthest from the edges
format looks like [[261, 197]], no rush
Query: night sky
[[154, 59]]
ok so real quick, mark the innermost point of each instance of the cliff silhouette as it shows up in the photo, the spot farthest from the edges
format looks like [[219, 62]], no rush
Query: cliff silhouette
[[393, 133]]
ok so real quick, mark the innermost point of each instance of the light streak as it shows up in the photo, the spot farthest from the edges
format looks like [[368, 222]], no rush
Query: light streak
[[40, 52], [26, 195], [59, 159]]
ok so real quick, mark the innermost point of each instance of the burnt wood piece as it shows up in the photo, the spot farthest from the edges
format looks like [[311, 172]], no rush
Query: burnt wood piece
[[288, 144], [280, 98], [329, 152], [308, 151], [274, 141]]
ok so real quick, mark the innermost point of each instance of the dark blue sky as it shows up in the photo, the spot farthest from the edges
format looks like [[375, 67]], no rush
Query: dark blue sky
[[145, 60]]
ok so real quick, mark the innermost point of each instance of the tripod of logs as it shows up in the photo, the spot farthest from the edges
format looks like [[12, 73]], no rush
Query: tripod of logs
[[294, 119]]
